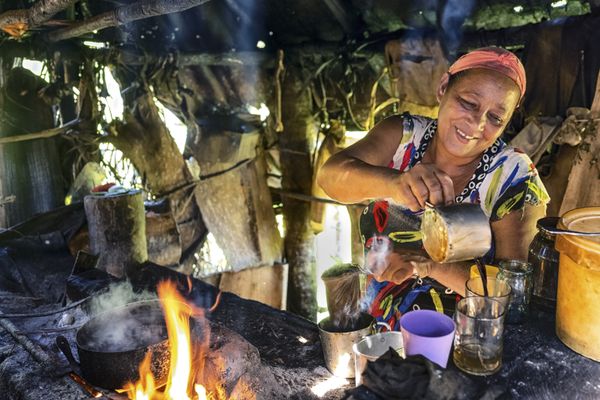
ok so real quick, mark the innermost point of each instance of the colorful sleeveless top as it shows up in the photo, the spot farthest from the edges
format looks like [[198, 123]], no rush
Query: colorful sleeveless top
[[504, 180]]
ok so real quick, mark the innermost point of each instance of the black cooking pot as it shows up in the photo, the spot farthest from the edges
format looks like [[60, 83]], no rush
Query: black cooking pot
[[113, 344]]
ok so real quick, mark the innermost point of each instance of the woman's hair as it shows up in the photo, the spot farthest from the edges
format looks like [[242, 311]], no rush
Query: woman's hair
[[453, 79]]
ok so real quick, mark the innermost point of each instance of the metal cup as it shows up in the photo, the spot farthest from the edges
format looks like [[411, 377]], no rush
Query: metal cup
[[374, 346], [337, 345]]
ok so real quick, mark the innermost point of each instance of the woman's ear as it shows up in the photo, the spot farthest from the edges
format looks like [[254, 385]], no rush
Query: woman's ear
[[443, 86]]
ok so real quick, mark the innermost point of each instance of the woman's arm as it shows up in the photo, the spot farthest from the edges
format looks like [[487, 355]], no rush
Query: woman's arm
[[514, 232], [360, 172]]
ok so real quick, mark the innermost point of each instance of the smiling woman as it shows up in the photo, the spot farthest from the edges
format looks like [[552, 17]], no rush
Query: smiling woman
[[406, 161]]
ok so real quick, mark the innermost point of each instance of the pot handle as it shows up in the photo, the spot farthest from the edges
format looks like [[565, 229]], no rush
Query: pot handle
[[379, 323], [65, 348]]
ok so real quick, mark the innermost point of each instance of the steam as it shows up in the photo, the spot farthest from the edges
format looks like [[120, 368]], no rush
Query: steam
[[348, 317], [115, 327], [118, 294], [347, 307], [124, 333], [376, 260]]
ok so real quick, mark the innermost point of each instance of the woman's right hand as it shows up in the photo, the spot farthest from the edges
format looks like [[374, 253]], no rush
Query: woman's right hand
[[421, 183]]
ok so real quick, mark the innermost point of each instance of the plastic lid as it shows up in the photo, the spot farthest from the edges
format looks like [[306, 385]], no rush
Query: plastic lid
[[583, 220], [584, 251]]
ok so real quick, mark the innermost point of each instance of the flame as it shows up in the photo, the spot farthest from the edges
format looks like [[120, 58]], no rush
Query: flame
[[187, 363], [146, 383]]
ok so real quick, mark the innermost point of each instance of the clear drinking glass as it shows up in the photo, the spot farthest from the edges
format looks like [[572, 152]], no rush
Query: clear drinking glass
[[518, 274], [478, 340], [498, 289]]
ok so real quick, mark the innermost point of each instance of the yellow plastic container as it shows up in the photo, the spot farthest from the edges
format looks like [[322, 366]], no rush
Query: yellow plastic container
[[578, 294]]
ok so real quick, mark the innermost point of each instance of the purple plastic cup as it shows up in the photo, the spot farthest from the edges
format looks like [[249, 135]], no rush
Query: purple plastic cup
[[428, 333]]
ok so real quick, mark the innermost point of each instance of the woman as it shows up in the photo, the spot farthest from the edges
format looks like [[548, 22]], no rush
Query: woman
[[407, 160]]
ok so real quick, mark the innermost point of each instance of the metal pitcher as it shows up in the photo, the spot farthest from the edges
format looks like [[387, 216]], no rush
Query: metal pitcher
[[455, 232]]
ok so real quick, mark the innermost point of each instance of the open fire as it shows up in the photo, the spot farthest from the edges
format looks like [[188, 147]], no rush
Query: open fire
[[186, 372]]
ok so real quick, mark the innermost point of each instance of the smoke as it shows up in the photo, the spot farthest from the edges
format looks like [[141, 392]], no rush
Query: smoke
[[367, 299], [348, 317], [451, 19]]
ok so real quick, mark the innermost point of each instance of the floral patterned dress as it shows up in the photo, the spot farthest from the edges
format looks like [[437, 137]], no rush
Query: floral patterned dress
[[504, 180]]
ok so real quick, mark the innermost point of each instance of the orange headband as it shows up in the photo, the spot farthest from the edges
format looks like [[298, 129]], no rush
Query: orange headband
[[494, 58]]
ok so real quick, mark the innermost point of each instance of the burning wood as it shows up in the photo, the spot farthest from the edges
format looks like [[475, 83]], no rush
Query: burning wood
[[187, 356]]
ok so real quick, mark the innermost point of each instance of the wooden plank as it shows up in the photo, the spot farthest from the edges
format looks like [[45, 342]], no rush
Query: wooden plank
[[556, 182], [31, 180], [265, 284]]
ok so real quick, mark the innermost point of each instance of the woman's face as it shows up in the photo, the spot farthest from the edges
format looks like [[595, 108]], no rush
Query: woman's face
[[474, 111]]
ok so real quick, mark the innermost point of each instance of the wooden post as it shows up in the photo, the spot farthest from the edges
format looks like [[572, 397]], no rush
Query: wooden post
[[358, 252], [296, 146], [117, 230]]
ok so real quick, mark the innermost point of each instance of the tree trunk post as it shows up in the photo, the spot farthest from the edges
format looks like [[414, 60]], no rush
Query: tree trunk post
[[357, 249], [296, 145]]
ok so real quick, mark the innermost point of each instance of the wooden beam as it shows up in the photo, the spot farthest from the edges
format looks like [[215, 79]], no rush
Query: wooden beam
[[123, 15], [237, 59]]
